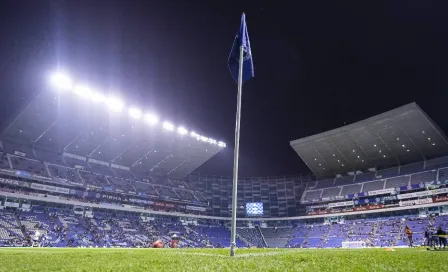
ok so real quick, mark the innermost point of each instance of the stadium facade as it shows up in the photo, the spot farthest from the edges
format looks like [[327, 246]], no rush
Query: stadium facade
[[93, 166]]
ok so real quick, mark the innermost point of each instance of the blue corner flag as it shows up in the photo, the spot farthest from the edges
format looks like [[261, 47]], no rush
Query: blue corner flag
[[241, 39]]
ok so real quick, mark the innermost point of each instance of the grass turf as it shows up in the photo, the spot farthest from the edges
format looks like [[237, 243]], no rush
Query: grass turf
[[53, 259]]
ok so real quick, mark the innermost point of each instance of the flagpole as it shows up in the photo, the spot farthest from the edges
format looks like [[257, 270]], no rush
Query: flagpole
[[236, 153]]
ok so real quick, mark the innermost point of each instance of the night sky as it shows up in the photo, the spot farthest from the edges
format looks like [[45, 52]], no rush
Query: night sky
[[318, 64]]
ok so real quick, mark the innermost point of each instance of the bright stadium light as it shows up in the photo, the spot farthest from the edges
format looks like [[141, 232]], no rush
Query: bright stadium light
[[193, 134], [182, 131], [168, 126], [221, 144], [135, 113], [61, 82], [83, 91], [151, 119], [212, 141], [204, 139], [98, 98], [114, 104]]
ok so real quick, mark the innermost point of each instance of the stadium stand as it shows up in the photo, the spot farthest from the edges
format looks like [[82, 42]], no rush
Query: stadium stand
[[122, 173], [122, 184], [29, 165], [252, 235], [85, 183], [4, 161], [422, 177], [64, 173], [9, 229], [101, 169], [276, 237], [93, 179]]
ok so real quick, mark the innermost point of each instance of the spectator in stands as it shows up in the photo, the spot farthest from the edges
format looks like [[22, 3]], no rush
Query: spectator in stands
[[409, 234]]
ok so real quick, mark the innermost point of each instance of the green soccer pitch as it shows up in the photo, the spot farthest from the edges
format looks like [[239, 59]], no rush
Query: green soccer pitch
[[100, 259]]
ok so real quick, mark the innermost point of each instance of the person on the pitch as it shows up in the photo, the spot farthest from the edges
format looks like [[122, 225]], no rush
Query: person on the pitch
[[409, 234], [174, 241], [442, 237], [427, 237], [157, 244], [434, 239]]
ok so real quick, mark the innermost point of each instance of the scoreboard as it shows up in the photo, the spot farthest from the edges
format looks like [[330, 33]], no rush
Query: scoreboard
[[254, 209]]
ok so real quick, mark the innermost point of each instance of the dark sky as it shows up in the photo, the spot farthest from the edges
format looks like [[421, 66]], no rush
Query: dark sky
[[318, 64]]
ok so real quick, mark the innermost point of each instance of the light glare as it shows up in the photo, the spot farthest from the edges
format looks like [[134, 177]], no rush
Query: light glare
[[61, 82], [115, 104], [221, 144], [182, 131], [168, 126], [97, 97], [151, 119], [135, 113], [83, 91]]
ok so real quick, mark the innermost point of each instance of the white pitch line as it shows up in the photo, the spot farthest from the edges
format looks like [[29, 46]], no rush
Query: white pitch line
[[244, 255], [261, 254]]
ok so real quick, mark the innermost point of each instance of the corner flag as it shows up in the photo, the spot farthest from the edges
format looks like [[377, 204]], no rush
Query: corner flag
[[242, 69], [241, 39]]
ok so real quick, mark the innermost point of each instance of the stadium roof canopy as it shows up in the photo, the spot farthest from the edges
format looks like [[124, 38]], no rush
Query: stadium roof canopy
[[397, 137], [80, 124]]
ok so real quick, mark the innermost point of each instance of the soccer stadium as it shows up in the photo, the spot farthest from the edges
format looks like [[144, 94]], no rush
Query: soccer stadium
[[91, 180], [117, 188]]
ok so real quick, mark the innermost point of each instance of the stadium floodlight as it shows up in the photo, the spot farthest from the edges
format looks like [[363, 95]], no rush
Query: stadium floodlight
[[97, 97], [168, 126], [182, 131], [195, 135], [135, 113], [212, 141], [114, 104], [151, 119], [61, 82], [204, 139], [83, 91], [221, 144]]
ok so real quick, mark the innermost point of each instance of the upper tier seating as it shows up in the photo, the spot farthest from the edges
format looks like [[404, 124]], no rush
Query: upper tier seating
[[166, 192], [185, 194], [344, 181], [397, 182], [65, 173], [122, 184], [123, 173], [101, 169], [351, 189], [428, 176], [93, 178], [325, 183], [330, 192], [72, 162], [146, 188], [310, 195], [178, 184], [31, 166], [4, 162]]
